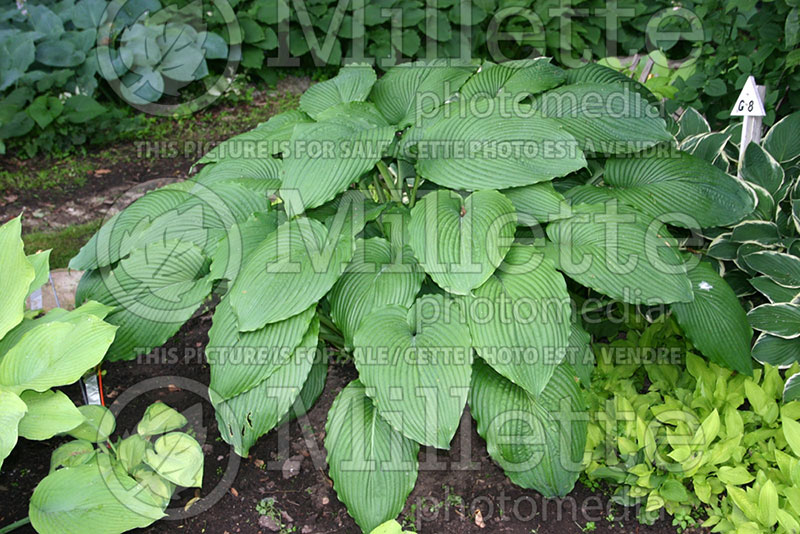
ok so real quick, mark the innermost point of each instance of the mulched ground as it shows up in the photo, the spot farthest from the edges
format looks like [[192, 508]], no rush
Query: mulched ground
[[288, 466]]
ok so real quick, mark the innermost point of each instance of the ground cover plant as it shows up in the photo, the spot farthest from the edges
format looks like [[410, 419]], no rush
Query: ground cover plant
[[443, 226]]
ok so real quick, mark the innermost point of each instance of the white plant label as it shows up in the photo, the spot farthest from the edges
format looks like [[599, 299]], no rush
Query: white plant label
[[749, 103]]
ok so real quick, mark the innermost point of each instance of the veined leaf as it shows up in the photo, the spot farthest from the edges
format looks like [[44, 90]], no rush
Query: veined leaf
[[782, 141], [352, 84], [292, 269], [99, 423], [776, 351], [373, 467], [379, 275], [538, 442], [715, 321], [12, 410], [178, 458], [159, 418], [781, 320], [620, 253], [537, 203], [398, 94], [681, 190], [494, 150], [18, 273], [247, 416], [520, 319], [600, 74], [760, 168], [513, 79], [416, 364], [773, 291], [41, 266], [49, 413], [608, 119], [459, 242], [782, 268]]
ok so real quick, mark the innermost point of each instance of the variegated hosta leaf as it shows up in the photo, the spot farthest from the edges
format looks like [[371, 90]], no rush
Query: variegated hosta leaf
[[262, 142], [610, 119], [776, 351], [328, 155], [352, 84], [18, 273], [246, 416], [416, 364], [621, 253], [782, 141], [514, 79], [678, 189], [12, 410], [496, 149], [379, 275], [780, 320], [410, 90], [782, 268], [154, 291], [291, 270], [520, 319], [760, 168], [373, 467], [538, 441], [460, 241], [49, 413], [715, 321]]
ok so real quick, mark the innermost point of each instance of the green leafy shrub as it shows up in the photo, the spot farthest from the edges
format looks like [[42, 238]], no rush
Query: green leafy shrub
[[354, 223], [708, 445]]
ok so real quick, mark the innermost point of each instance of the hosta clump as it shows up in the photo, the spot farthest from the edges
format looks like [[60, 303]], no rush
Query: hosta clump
[[440, 224]]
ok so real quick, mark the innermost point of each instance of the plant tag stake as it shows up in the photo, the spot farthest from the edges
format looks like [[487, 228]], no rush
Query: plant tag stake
[[749, 105]]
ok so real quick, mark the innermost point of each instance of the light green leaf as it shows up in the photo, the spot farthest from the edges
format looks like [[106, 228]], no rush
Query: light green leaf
[[781, 320], [292, 269], [538, 442], [678, 189], [768, 504], [483, 151], [459, 242], [16, 277], [520, 319], [621, 253], [373, 467], [159, 418], [398, 93], [791, 431], [715, 321], [49, 413], [72, 454], [97, 427], [41, 265], [416, 364], [12, 410], [352, 84], [131, 451], [178, 458], [737, 476], [379, 275]]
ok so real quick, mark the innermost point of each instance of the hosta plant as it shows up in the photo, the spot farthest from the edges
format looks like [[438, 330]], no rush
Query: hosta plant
[[443, 225]]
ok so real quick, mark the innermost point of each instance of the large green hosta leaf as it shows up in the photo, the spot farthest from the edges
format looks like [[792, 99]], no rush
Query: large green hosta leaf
[[537, 203], [520, 319], [610, 119], [410, 90], [12, 410], [417, 364], [49, 413], [327, 156], [267, 170], [153, 291], [241, 361], [513, 79], [239, 242], [17, 275], [679, 189], [715, 321], [352, 84], [782, 140], [379, 275], [596, 73], [63, 352], [292, 269], [460, 241], [373, 467], [538, 441], [109, 501], [495, 150], [760, 168], [620, 253]]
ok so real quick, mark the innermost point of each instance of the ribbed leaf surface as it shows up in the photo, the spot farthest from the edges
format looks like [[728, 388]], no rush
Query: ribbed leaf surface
[[18, 273], [293, 268], [12, 409], [373, 467], [620, 253], [715, 321], [782, 268], [379, 275], [776, 351], [495, 151], [596, 73], [538, 442], [459, 242], [513, 79], [352, 84], [780, 320], [520, 319], [417, 370], [49, 413], [537, 203]]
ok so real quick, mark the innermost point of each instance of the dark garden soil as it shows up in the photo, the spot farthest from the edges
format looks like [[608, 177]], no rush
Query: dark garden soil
[[458, 491]]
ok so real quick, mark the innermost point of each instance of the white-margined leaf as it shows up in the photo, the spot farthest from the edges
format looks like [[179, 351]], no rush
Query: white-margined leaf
[[781, 320]]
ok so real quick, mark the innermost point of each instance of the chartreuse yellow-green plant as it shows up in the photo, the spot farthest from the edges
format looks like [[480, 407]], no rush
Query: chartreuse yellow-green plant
[[425, 222], [708, 445]]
